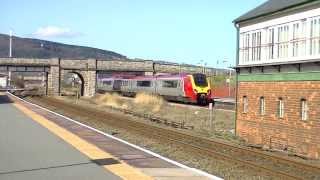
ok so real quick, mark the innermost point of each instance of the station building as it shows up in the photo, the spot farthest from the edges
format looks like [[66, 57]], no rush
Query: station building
[[278, 76]]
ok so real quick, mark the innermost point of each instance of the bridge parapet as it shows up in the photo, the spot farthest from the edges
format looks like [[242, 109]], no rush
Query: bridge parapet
[[181, 68], [78, 64], [123, 65], [29, 62]]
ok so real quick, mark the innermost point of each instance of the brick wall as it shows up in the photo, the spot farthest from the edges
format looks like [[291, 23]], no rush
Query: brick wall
[[289, 133]]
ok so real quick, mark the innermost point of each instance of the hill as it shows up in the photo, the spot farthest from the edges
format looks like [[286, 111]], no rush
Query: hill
[[36, 48]]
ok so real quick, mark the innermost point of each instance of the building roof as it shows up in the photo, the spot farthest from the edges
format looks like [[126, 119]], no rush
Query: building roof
[[271, 6]]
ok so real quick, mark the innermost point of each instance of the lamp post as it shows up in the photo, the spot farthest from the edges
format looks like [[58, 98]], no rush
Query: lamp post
[[228, 80]]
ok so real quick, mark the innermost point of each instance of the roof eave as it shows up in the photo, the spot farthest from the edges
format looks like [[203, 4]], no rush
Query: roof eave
[[236, 21]]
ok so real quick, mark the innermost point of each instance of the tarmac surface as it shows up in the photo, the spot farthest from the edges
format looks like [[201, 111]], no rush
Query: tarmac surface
[[29, 151], [36, 143]]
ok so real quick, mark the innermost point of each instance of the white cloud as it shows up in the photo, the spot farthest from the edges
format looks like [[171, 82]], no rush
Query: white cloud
[[54, 31]]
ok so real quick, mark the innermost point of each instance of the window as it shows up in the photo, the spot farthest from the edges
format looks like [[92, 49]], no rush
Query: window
[[283, 41], [271, 43], [256, 46], [245, 104], [262, 106], [200, 80], [304, 110], [106, 83], [315, 36], [245, 47], [144, 83], [124, 83], [295, 41], [170, 84], [280, 108]]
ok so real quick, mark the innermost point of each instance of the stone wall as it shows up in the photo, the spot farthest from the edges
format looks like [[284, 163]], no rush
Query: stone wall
[[130, 65], [181, 68], [289, 133], [30, 62]]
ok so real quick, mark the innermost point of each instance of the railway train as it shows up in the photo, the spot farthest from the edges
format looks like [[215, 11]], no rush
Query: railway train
[[188, 88]]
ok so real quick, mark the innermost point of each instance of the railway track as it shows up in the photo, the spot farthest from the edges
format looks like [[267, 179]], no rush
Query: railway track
[[273, 165]]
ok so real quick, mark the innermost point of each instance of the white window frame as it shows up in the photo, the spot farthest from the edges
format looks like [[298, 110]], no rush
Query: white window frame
[[245, 104], [256, 41], [280, 108], [315, 36], [271, 43], [304, 109], [262, 106], [296, 39]]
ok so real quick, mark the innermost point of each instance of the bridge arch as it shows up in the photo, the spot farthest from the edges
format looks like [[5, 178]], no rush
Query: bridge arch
[[73, 81]]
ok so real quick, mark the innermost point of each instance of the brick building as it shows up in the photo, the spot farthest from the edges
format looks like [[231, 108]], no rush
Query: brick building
[[278, 76]]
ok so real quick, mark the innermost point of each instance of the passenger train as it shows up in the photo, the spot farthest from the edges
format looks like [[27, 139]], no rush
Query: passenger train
[[189, 88]]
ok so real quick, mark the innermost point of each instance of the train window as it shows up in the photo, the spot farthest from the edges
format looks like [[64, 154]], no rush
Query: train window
[[170, 84], [200, 79], [106, 82], [144, 83], [125, 83]]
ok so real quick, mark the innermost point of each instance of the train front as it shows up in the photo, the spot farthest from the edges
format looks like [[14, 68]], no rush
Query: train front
[[201, 88]]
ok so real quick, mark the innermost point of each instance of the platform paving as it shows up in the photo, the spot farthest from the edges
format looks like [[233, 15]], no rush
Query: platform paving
[[30, 151]]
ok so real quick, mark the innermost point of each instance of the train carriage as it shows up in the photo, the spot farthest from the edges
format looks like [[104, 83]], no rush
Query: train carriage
[[192, 88]]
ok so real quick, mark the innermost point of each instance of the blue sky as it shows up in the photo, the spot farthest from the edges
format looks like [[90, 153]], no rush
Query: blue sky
[[172, 30]]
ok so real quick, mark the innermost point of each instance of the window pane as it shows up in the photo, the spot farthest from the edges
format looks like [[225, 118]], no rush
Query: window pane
[[170, 84], [144, 83], [304, 109]]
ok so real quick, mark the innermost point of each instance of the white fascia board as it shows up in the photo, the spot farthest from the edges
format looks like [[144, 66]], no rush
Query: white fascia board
[[281, 20]]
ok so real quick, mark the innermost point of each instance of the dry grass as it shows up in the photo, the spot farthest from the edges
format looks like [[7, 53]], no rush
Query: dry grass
[[110, 99], [222, 126], [151, 101]]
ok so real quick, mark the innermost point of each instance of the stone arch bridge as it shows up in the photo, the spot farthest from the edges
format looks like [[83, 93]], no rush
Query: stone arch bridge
[[54, 69]]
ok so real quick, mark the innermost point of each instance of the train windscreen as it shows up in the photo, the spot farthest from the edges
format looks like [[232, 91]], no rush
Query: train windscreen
[[200, 79]]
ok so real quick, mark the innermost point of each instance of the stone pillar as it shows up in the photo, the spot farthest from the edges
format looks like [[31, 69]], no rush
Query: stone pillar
[[89, 83], [54, 78], [90, 78]]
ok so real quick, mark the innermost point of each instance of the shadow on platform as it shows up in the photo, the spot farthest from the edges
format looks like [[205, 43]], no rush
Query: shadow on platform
[[4, 99]]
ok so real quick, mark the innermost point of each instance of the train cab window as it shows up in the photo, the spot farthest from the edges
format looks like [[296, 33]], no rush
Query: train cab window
[[144, 83], [106, 82], [200, 79], [170, 84]]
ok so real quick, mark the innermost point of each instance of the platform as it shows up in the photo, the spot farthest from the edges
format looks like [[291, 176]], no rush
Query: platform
[[38, 144]]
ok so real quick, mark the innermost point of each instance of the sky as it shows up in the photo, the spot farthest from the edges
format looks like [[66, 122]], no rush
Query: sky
[[181, 31]]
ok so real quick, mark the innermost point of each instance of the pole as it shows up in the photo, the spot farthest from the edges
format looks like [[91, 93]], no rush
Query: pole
[[10, 45], [9, 80], [211, 115], [229, 82]]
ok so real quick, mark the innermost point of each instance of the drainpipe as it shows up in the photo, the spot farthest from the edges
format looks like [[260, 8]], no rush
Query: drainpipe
[[237, 71]]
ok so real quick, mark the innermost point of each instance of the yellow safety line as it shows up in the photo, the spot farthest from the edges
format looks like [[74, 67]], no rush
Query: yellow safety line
[[122, 169]]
